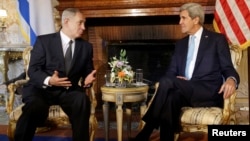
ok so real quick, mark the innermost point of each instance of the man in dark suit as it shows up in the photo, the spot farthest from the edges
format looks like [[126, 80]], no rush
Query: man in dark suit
[[50, 83], [208, 79]]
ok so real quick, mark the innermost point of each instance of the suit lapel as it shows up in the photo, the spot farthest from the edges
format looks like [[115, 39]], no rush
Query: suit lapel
[[202, 47], [184, 54], [57, 45]]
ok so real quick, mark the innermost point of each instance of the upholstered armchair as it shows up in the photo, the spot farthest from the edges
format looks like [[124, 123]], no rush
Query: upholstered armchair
[[198, 118], [56, 118]]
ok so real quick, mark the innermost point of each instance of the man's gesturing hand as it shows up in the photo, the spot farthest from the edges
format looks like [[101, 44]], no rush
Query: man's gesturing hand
[[56, 81]]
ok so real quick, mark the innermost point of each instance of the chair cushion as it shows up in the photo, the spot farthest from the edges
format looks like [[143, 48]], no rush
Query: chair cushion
[[55, 112], [211, 115]]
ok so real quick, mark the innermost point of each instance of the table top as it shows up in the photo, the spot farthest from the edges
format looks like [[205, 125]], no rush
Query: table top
[[124, 94], [131, 88]]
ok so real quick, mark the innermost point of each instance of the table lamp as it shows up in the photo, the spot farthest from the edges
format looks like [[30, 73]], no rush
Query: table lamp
[[3, 15]]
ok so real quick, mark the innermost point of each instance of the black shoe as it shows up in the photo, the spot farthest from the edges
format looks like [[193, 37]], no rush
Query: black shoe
[[144, 134]]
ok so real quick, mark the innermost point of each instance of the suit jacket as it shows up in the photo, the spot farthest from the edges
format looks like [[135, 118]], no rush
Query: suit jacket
[[47, 56], [213, 65]]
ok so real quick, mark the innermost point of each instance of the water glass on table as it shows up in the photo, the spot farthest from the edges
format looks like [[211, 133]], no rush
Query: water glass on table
[[139, 76], [108, 78]]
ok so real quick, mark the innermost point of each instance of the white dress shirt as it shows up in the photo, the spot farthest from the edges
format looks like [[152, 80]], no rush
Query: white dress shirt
[[65, 44]]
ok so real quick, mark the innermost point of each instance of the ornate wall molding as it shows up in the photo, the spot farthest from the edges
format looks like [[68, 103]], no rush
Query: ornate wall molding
[[120, 8]]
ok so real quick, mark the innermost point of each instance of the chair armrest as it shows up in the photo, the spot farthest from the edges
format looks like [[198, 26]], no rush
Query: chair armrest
[[12, 87], [92, 97], [228, 108], [20, 83], [156, 88], [151, 100], [93, 103], [10, 100]]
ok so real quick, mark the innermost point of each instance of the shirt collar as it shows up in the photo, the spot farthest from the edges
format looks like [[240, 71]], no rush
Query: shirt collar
[[65, 38], [198, 33]]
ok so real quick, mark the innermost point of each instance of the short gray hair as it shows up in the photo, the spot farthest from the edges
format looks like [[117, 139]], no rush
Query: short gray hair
[[194, 10], [69, 12]]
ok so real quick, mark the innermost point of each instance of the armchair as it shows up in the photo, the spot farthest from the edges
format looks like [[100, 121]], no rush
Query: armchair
[[56, 118]]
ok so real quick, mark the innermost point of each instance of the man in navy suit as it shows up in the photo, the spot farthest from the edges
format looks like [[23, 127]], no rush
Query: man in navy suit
[[49, 83], [211, 76]]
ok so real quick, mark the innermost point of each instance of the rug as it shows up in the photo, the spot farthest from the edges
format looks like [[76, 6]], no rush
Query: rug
[[62, 134], [41, 138], [65, 135]]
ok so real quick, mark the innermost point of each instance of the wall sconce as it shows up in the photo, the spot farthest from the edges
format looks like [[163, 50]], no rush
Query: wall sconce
[[3, 15]]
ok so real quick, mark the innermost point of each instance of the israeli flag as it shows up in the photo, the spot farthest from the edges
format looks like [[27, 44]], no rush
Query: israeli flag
[[35, 18]]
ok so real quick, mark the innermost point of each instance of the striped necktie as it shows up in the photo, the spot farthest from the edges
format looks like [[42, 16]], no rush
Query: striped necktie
[[68, 57]]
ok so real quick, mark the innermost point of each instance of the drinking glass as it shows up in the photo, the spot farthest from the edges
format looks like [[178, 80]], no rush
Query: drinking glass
[[108, 78], [139, 76]]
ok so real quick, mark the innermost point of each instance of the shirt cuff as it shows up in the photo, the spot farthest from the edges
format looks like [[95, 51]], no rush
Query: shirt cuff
[[46, 82], [235, 80]]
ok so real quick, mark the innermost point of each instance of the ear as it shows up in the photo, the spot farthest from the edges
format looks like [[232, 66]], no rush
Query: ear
[[65, 20], [196, 20]]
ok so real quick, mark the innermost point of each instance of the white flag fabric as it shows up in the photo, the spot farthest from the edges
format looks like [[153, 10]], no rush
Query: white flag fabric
[[35, 18], [232, 17]]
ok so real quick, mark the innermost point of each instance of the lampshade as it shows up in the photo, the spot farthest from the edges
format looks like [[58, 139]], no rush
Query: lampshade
[[3, 13]]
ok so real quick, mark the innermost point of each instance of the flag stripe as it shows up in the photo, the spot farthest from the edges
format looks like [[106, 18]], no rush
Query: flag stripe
[[231, 17], [222, 22], [233, 22], [35, 18], [219, 23], [244, 11], [240, 19], [24, 10], [24, 20]]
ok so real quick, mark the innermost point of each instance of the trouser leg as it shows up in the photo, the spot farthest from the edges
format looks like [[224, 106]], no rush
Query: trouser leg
[[152, 115], [178, 97], [169, 120], [77, 106], [145, 133], [166, 107], [34, 113]]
